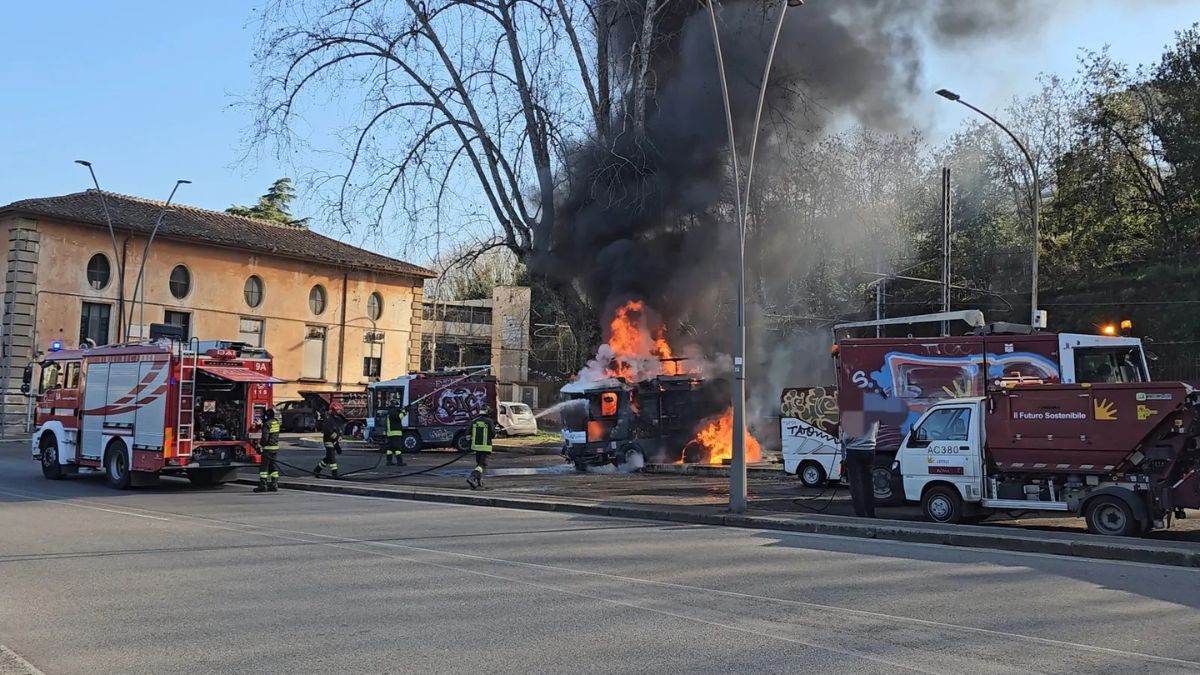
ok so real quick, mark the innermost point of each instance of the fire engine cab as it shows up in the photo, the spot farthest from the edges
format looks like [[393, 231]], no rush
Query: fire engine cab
[[139, 411]]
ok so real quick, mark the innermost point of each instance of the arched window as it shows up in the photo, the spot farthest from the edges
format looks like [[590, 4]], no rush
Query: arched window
[[253, 290], [316, 300], [375, 306], [98, 271], [181, 282]]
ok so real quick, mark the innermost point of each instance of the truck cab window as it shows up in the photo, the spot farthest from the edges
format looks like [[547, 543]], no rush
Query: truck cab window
[[52, 377], [946, 425], [73, 371], [1108, 365]]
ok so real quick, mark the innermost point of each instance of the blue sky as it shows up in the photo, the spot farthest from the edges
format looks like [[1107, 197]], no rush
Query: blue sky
[[146, 90]]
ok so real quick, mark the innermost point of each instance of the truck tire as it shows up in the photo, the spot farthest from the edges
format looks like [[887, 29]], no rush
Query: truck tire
[[811, 474], [411, 441], [632, 455], [116, 466], [942, 504], [462, 441], [580, 467], [886, 493], [1111, 516], [51, 469]]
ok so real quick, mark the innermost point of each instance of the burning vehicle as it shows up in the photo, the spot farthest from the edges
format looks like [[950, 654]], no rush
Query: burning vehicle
[[636, 402]]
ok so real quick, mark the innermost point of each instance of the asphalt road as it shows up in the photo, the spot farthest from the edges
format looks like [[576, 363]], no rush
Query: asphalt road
[[182, 580]]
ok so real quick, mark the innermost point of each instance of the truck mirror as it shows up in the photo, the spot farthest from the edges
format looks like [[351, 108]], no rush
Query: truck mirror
[[26, 379]]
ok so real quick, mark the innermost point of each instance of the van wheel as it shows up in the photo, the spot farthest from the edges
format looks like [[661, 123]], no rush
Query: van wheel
[[942, 504], [811, 474], [1111, 516], [116, 466], [411, 441], [462, 441], [51, 469]]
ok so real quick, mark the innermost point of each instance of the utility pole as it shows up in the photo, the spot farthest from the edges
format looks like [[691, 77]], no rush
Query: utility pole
[[1036, 198], [947, 219]]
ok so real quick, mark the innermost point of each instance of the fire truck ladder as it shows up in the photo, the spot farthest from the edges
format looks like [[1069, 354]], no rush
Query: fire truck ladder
[[189, 357]]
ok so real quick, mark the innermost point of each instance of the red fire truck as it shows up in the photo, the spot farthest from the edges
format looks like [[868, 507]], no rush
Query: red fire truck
[[140, 411]]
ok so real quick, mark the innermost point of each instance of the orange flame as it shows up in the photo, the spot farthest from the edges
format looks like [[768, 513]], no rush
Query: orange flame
[[716, 437], [638, 350]]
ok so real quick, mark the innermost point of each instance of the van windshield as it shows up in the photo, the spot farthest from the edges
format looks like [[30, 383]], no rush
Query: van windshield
[[1096, 365]]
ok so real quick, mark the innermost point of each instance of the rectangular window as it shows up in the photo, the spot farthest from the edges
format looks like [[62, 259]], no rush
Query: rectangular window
[[181, 319], [313, 367], [250, 331], [93, 323], [373, 354]]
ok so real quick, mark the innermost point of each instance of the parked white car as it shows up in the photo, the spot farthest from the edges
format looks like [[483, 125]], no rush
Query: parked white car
[[516, 419]]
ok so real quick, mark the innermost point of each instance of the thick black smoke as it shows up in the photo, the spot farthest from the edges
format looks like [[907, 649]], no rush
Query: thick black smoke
[[651, 216]]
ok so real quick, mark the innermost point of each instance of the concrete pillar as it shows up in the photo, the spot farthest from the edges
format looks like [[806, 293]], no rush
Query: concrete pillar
[[414, 335], [510, 333], [17, 326]]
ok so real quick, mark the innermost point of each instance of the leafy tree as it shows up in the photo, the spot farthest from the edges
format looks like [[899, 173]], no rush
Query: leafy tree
[[275, 205]]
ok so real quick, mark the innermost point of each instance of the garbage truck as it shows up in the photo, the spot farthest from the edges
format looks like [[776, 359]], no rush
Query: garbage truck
[[892, 381], [1125, 456]]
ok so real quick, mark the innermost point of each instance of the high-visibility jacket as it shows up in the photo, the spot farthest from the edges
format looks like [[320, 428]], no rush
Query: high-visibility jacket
[[270, 435], [330, 430], [394, 422], [481, 436]]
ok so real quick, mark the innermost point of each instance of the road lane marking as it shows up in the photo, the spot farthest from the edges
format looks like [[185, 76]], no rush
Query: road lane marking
[[333, 539], [67, 501]]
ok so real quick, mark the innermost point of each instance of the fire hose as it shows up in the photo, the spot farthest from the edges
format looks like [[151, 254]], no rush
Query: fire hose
[[308, 472]]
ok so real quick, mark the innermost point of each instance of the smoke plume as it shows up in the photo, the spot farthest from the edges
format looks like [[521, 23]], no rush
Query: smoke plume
[[650, 215]]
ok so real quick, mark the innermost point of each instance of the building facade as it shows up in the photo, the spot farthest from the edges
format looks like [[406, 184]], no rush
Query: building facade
[[333, 316], [495, 332]]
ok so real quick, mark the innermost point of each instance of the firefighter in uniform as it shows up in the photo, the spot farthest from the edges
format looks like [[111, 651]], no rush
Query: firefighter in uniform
[[395, 436], [481, 443], [331, 427], [268, 447]]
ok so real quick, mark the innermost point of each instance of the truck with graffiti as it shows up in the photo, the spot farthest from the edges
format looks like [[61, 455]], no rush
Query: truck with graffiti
[[893, 381], [438, 407]]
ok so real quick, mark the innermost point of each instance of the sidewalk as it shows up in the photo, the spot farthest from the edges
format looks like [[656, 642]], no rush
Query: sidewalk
[[971, 536]]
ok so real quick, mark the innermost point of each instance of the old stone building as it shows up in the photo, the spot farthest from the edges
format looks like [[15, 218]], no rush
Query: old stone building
[[334, 316]]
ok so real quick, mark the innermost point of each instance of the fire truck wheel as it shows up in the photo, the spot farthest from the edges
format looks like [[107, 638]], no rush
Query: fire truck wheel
[[51, 469], [116, 466], [811, 474], [1111, 516], [942, 504], [462, 442], [411, 441]]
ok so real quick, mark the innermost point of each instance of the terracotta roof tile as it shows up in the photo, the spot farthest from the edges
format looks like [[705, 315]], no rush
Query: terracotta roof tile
[[214, 227]]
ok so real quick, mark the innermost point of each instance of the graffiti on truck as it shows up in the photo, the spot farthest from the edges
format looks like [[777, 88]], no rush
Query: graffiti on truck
[[898, 394], [454, 406]]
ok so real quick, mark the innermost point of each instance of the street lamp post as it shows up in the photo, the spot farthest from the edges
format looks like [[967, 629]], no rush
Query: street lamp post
[[737, 468], [166, 208], [1037, 198]]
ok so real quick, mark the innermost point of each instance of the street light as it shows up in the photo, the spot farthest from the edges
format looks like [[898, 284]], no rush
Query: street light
[[1035, 319], [142, 269], [737, 467], [113, 235]]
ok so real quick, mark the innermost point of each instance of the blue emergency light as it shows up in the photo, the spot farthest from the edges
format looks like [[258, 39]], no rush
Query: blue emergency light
[[56, 346]]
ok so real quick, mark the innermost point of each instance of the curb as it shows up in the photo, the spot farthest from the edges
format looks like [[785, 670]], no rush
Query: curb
[[713, 470], [964, 536]]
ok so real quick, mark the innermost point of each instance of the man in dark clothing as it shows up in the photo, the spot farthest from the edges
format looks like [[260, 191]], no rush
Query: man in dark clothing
[[331, 428], [268, 448], [860, 461], [395, 436], [481, 443]]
